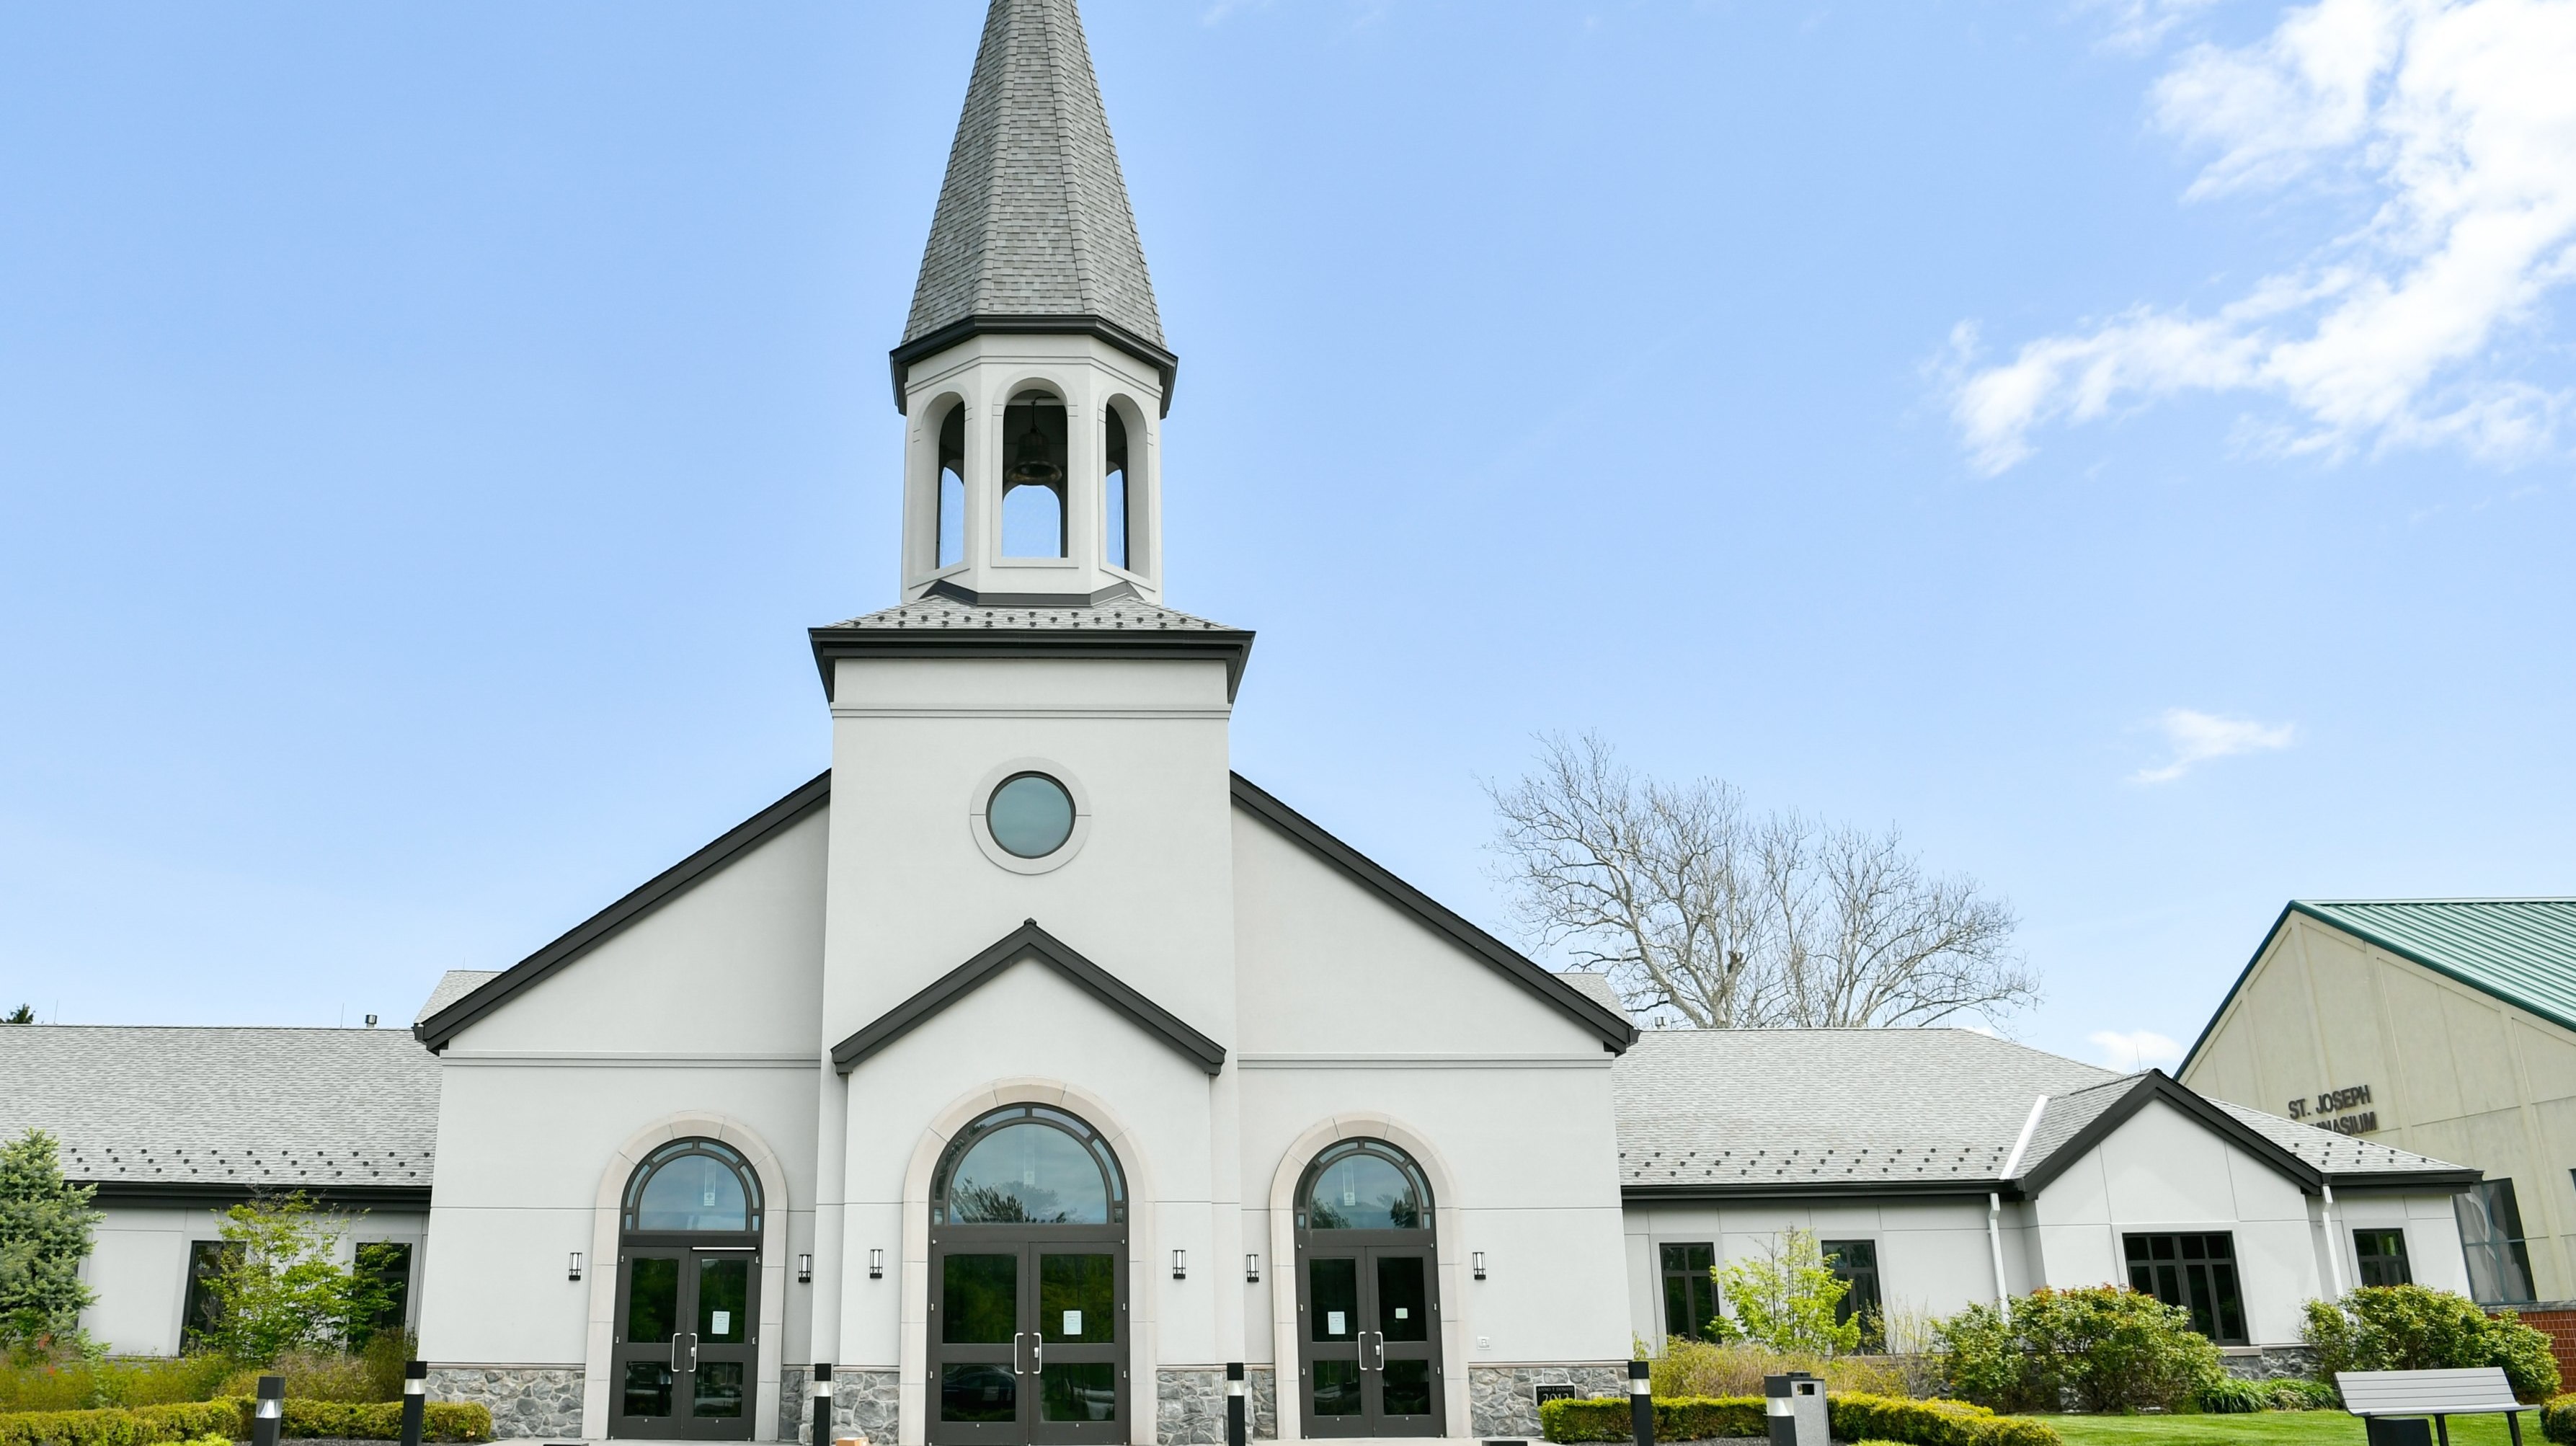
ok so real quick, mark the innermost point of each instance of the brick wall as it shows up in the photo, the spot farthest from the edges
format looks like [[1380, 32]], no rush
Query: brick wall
[[2560, 1327]]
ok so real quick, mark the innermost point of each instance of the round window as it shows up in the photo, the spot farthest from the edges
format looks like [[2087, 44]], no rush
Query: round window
[[1030, 815]]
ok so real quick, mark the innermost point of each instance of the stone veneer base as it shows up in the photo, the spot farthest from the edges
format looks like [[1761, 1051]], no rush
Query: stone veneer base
[[524, 1400], [1503, 1400], [864, 1403]]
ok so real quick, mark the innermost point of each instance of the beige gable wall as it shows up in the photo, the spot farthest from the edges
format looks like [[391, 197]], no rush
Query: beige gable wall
[[2454, 1073]]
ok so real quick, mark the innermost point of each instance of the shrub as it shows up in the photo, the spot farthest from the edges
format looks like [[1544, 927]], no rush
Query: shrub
[[2110, 1348], [1697, 1368], [1785, 1298], [2417, 1328], [1931, 1423], [2231, 1395], [371, 1420], [2558, 1420], [120, 1426], [2298, 1395], [284, 1289], [317, 1376], [1904, 1422]]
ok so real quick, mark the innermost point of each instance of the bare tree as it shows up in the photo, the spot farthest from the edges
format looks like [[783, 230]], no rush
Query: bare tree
[[1697, 911]]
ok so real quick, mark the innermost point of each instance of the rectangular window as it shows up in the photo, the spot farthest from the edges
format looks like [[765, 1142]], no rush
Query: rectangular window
[[2491, 1237], [385, 1268], [2379, 1257], [1855, 1264], [203, 1311], [2196, 1272], [1690, 1290]]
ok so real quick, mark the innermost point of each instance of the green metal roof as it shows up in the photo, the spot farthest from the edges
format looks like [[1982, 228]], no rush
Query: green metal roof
[[2522, 951]]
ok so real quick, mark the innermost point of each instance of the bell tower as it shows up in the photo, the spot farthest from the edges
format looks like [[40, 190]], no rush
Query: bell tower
[[1032, 370]]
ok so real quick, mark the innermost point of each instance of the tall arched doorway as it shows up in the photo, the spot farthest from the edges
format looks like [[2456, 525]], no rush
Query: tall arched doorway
[[1368, 1295], [1028, 1283], [688, 1296]]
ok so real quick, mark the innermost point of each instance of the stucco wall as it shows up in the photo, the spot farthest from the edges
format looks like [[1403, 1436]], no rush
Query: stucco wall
[[139, 1268], [2453, 1073]]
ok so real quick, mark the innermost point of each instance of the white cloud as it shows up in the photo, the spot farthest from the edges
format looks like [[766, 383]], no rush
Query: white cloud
[[2134, 1050], [2199, 737], [2458, 118]]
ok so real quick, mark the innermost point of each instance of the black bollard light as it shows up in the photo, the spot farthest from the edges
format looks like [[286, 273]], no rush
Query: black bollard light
[[822, 1403], [1234, 1404], [268, 1418], [415, 1400], [1641, 1403]]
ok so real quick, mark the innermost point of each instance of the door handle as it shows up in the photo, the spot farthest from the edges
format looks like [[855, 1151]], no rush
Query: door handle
[[1037, 1353], [684, 1350], [1016, 1368]]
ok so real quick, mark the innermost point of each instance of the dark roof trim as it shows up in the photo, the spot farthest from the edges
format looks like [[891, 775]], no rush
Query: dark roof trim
[[2383, 1182], [2155, 1084], [1615, 1033], [217, 1195], [1819, 1190], [589, 934], [1230, 646], [2407, 952], [1033, 943], [1165, 364]]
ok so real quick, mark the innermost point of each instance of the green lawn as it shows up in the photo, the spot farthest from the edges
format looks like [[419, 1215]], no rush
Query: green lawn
[[2288, 1428]]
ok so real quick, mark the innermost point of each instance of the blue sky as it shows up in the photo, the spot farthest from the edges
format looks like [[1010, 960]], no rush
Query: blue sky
[[2122, 444]]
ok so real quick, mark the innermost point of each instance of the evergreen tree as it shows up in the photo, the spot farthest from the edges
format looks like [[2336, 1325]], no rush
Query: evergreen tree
[[45, 1224]]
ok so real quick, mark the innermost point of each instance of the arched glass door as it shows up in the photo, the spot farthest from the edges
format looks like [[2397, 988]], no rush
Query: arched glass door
[[688, 1296], [1028, 1283], [1368, 1295]]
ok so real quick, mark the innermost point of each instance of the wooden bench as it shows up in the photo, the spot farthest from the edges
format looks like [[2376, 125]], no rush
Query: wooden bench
[[2402, 1399]]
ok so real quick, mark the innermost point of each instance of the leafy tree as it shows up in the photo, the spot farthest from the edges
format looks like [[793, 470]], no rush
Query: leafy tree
[[45, 1224], [284, 1288], [1784, 1299], [2418, 1328], [2111, 1348], [23, 1014]]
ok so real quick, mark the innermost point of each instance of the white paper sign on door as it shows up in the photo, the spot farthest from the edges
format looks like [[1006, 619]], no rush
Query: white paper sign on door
[[1332, 1322], [722, 1325], [1401, 1313], [1073, 1322]]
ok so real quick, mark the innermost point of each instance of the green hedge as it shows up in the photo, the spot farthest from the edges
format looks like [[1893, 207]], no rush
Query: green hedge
[[2558, 1420], [1854, 1417], [371, 1420], [119, 1425]]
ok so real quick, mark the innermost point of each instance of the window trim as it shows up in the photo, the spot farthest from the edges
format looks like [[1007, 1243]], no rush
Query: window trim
[[2363, 1261], [2218, 1307]]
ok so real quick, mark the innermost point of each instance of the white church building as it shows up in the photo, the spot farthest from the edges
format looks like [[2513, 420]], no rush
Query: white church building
[[1032, 1066]]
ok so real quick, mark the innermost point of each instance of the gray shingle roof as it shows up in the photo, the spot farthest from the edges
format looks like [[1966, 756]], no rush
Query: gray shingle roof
[[452, 986], [1752, 1107], [276, 1108], [1033, 218], [1127, 614], [1879, 1108], [1597, 988]]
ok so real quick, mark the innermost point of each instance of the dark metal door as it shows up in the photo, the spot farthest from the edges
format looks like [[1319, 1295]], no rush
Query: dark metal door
[[1028, 1335], [1370, 1337], [686, 1344]]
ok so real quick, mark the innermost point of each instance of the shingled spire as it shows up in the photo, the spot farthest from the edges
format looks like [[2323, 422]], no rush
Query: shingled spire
[[1033, 230]]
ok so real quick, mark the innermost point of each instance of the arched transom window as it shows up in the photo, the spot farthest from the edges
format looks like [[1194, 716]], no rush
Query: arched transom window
[[1364, 1185], [1029, 1165], [694, 1185]]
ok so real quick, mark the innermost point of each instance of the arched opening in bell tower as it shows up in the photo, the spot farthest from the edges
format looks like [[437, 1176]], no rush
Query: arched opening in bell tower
[[1035, 469], [951, 528], [1117, 494]]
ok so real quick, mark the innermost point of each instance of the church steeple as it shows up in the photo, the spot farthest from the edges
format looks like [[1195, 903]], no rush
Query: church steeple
[[1033, 366]]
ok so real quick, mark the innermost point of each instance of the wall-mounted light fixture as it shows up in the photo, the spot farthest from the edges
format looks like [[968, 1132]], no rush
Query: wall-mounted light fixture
[[1252, 1267], [575, 1272], [1479, 1259], [804, 1270], [1180, 1265], [876, 1265]]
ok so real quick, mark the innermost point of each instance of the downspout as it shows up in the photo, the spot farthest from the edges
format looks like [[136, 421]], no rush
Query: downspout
[[1995, 1205], [2334, 1256]]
